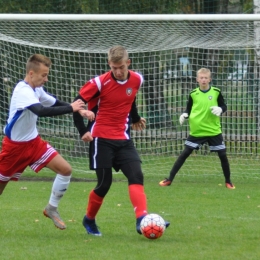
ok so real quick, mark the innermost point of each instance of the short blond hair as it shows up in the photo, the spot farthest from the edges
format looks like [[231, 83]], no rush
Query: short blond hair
[[34, 61], [117, 53], [204, 70]]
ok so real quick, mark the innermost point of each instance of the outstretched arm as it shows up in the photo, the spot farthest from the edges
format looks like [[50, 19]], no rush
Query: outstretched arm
[[59, 108]]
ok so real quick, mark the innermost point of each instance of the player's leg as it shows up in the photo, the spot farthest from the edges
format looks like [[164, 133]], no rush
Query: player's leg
[[226, 168], [177, 165], [216, 144], [13, 161], [60, 185], [44, 155], [134, 175], [191, 144], [128, 160], [95, 200], [101, 155], [2, 187]]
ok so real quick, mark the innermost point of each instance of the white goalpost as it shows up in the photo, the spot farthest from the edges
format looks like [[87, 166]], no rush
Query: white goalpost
[[167, 50]]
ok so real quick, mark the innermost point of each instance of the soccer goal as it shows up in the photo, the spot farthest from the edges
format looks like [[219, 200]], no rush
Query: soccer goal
[[167, 50]]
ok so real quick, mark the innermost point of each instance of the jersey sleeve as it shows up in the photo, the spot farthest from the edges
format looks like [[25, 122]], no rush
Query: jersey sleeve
[[45, 99], [26, 98], [189, 105], [141, 79], [91, 89], [221, 103]]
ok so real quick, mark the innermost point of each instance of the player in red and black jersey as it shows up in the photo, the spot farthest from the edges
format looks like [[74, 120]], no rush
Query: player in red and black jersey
[[114, 93], [136, 122]]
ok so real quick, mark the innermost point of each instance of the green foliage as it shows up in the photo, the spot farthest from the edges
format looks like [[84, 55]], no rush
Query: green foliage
[[41, 6], [208, 221], [124, 6]]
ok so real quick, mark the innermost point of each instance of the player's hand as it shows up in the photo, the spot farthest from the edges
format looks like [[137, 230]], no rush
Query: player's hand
[[78, 105], [183, 117], [140, 125], [215, 110], [87, 137], [87, 114]]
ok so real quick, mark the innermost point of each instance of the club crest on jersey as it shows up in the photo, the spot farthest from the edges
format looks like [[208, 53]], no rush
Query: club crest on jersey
[[210, 97], [129, 91]]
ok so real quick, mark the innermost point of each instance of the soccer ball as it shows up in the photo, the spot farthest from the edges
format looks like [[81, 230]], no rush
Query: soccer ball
[[152, 226]]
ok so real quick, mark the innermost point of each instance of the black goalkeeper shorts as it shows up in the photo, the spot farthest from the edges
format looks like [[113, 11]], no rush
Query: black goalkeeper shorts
[[216, 143]]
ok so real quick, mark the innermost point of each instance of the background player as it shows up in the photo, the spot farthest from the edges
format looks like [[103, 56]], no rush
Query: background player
[[204, 107], [22, 145], [116, 91]]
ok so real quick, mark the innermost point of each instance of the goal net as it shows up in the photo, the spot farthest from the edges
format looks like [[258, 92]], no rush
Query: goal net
[[167, 50]]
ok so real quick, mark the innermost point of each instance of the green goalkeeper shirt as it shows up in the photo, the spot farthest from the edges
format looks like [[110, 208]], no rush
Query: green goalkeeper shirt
[[202, 122]]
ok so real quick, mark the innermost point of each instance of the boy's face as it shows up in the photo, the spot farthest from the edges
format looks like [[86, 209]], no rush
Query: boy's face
[[120, 69], [39, 77], [203, 79]]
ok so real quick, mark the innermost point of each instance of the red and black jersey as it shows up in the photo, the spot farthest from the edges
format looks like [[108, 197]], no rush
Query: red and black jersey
[[115, 99]]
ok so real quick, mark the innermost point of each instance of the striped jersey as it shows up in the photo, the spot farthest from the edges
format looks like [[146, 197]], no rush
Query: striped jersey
[[115, 100]]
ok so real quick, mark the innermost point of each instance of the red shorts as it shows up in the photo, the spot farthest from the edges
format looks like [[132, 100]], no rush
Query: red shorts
[[16, 156]]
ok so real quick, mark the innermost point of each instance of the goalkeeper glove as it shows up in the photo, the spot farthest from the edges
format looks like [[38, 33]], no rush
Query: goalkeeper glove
[[216, 110], [183, 117]]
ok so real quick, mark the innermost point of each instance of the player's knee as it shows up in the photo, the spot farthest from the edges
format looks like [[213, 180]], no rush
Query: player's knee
[[185, 153], [102, 190], [137, 178], [66, 170], [223, 156]]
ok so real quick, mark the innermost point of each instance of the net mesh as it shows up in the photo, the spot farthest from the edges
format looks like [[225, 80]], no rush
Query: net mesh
[[168, 54]]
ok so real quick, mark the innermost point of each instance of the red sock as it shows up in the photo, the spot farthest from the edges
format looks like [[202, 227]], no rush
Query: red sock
[[138, 199], [94, 204]]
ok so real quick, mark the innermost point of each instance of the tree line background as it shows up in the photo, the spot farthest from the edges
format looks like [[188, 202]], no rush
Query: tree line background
[[126, 6]]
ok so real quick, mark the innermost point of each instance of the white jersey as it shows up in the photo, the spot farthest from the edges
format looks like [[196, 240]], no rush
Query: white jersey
[[21, 124]]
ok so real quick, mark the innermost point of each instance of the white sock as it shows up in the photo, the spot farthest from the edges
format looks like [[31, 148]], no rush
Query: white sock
[[59, 187]]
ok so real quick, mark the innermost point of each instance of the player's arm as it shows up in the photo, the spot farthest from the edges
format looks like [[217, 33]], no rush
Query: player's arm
[[88, 92], [138, 122], [134, 113], [79, 120], [189, 105], [56, 109], [187, 111], [59, 103], [220, 108], [221, 103]]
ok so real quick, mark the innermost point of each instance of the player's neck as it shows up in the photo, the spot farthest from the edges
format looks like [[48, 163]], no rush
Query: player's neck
[[126, 77], [28, 81], [204, 88]]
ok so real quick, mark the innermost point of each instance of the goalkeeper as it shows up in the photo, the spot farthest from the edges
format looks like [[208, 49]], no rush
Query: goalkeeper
[[204, 108]]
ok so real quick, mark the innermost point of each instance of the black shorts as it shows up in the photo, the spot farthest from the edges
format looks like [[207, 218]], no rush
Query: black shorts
[[216, 143], [107, 153]]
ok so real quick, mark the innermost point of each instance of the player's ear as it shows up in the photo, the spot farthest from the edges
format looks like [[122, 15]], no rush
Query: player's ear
[[128, 62], [30, 73]]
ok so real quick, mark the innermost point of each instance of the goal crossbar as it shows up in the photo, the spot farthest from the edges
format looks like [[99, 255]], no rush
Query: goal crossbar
[[133, 17]]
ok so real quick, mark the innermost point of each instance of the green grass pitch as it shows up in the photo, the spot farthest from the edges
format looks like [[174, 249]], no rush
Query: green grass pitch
[[208, 221]]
